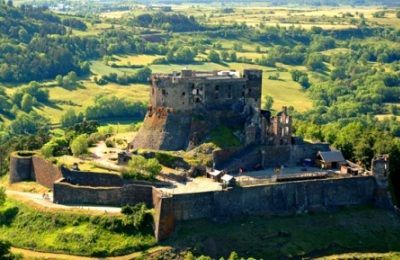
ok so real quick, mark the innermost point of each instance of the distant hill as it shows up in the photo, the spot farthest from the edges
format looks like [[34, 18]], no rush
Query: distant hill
[[288, 2]]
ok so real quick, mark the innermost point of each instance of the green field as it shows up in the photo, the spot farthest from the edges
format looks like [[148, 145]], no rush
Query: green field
[[69, 232], [83, 96]]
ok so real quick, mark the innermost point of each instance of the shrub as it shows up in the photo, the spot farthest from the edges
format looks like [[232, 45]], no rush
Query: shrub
[[110, 143], [70, 118], [213, 56], [137, 216], [141, 169], [5, 250], [56, 147], [7, 215], [3, 195], [80, 145]]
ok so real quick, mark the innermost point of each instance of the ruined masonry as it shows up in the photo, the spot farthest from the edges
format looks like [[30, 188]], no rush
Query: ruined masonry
[[186, 105], [184, 108]]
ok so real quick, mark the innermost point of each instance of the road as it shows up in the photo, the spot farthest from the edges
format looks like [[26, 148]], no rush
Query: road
[[30, 254], [48, 203]]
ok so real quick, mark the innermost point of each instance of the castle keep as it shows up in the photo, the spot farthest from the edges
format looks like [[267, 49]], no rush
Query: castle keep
[[270, 172], [185, 106]]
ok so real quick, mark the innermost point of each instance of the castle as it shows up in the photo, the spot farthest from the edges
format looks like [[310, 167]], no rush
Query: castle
[[185, 106]]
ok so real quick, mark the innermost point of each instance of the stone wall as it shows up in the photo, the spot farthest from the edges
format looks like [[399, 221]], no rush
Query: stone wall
[[92, 178], [129, 194], [132, 194], [66, 193], [277, 199], [164, 219], [45, 172], [291, 154], [246, 158]]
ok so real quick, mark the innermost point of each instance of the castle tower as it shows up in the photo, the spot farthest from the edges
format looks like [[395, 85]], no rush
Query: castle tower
[[190, 103], [380, 169], [253, 87]]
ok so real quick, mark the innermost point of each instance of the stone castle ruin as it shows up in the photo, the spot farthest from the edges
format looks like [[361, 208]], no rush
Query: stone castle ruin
[[292, 176], [185, 106]]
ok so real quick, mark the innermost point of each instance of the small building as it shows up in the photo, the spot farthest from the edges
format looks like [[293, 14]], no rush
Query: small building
[[330, 159], [228, 180], [215, 175], [351, 168]]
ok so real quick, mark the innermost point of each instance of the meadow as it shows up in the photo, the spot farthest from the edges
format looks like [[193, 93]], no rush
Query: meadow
[[74, 232]]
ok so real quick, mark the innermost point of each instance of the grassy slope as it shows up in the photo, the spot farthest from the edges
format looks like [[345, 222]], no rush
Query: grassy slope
[[83, 96], [362, 230], [70, 232]]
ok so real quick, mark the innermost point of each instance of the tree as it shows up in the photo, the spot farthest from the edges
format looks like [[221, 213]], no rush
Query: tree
[[315, 62], [234, 256], [224, 55], [70, 80], [182, 55], [213, 56], [189, 256], [296, 74], [269, 101], [143, 75], [55, 147], [80, 145], [70, 118], [27, 124], [27, 103], [3, 195], [304, 82], [140, 168], [59, 80], [5, 250], [232, 56], [237, 46]]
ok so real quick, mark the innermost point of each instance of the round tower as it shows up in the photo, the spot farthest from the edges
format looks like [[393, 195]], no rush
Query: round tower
[[21, 166]]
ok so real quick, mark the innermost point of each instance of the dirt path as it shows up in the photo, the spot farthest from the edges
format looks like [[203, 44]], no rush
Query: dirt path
[[30, 254], [48, 203]]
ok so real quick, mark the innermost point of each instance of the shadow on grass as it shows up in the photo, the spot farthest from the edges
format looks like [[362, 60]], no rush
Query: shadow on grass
[[354, 230]]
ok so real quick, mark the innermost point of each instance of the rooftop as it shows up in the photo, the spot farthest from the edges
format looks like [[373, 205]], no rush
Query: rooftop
[[332, 156]]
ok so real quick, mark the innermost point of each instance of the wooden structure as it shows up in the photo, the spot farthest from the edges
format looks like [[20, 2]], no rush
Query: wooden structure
[[330, 160]]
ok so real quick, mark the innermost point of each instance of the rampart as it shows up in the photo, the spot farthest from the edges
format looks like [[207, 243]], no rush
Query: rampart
[[80, 187], [45, 172], [276, 199], [130, 194], [94, 179], [26, 166]]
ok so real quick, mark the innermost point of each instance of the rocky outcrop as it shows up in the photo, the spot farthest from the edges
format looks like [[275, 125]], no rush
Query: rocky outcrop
[[163, 131]]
